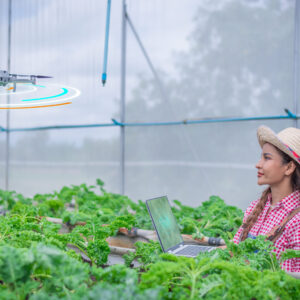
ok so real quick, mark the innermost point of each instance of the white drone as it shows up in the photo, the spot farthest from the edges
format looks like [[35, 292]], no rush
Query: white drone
[[6, 78]]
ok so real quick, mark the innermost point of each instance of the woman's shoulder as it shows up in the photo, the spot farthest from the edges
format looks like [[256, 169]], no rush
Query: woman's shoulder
[[251, 206], [249, 210]]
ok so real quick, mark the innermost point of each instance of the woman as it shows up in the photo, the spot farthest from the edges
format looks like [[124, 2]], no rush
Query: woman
[[277, 213]]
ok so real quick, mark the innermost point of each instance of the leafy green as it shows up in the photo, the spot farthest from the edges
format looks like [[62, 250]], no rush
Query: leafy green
[[288, 254], [145, 253], [36, 261], [213, 218]]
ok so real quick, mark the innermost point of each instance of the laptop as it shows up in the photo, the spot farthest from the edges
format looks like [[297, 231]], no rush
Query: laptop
[[167, 229]]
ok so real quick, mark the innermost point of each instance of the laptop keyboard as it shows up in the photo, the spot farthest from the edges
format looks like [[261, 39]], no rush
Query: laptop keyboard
[[193, 250]]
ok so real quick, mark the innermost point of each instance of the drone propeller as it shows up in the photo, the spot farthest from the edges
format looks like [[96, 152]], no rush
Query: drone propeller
[[42, 76], [36, 76]]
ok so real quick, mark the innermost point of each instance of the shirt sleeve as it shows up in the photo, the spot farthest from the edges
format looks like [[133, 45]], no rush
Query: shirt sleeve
[[248, 211], [292, 234]]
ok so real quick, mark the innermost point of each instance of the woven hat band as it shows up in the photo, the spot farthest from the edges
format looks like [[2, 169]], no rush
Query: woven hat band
[[293, 152]]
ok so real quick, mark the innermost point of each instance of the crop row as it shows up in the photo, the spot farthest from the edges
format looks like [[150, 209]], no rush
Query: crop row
[[38, 261]]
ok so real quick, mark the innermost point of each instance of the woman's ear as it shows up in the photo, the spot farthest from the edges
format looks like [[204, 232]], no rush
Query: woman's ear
[[291, 166]]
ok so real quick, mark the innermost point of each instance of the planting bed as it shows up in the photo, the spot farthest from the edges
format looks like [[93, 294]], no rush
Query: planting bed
[[78, 243]]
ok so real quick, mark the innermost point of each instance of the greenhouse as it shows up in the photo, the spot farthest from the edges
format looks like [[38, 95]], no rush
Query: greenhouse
[[149, 149]]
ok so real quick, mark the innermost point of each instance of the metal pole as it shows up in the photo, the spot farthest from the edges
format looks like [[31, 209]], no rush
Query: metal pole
[[158, 81], [7, 158], [123, 95], [296, 60]]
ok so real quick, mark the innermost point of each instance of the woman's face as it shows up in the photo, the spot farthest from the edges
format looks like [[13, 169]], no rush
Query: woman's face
[[270, 169]]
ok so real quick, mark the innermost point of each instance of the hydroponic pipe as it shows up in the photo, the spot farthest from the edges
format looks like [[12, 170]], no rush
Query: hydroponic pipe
[[289, 115], [104, 73]]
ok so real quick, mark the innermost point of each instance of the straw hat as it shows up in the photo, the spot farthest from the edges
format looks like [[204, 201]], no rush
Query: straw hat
[[287, 140]]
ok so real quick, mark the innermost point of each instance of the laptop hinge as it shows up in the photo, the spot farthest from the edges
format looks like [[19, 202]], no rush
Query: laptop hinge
[[175, 247]]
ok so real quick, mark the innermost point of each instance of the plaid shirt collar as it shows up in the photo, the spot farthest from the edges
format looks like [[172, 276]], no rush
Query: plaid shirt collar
[[289, 203]]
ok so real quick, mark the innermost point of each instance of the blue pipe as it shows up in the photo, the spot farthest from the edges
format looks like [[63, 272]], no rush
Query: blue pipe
[[289, 115], [104, 74], [58, 127]]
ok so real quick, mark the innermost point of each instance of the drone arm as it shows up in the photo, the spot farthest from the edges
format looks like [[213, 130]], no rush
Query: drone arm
[[14, 81], [22, 81]]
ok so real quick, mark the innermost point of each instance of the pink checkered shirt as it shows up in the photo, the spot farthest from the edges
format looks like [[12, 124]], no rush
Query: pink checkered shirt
[[290, 238]]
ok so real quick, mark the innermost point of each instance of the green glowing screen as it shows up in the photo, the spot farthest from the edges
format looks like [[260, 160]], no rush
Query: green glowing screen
[[165, 222]]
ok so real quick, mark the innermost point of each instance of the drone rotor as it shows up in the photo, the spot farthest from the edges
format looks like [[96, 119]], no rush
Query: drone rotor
[[31, 76]]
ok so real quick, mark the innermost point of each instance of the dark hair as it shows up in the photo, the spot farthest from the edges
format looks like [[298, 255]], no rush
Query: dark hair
[[296, 174], [252, 218]]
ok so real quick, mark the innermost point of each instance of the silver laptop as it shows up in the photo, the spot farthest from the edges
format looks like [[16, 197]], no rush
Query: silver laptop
[[167, 229]]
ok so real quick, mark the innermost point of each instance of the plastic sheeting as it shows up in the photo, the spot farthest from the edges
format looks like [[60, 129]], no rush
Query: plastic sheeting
[[231, 58]]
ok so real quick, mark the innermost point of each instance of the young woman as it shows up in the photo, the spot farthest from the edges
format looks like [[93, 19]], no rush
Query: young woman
[[277, 213]]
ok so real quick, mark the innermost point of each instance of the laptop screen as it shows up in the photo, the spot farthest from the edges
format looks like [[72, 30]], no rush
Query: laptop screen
[[164, 222]]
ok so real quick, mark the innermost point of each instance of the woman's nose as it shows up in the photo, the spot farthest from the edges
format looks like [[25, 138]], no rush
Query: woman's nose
[[258, 164]]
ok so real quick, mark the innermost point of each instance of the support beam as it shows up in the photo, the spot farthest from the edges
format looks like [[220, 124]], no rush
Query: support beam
[[296, 60], [7, 148], [123, 98]]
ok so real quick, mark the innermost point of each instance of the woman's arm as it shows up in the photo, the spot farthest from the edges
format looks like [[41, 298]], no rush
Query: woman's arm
[[294, 274]]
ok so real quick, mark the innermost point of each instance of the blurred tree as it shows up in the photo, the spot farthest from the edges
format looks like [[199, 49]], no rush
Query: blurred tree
[[240, 63]]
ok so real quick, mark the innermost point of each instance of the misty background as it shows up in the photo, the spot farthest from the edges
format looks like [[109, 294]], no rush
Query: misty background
[[229, 58]]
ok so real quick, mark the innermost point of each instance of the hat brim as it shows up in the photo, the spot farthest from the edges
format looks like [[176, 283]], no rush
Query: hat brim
[[267, 135]]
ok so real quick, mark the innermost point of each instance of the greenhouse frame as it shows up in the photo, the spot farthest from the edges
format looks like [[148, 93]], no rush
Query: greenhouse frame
[[107, 104]]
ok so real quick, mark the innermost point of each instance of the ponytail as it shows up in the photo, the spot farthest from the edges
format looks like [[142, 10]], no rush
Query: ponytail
[[252, 218]]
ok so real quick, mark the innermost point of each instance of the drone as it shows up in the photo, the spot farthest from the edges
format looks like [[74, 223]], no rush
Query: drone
[[6, 78]]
